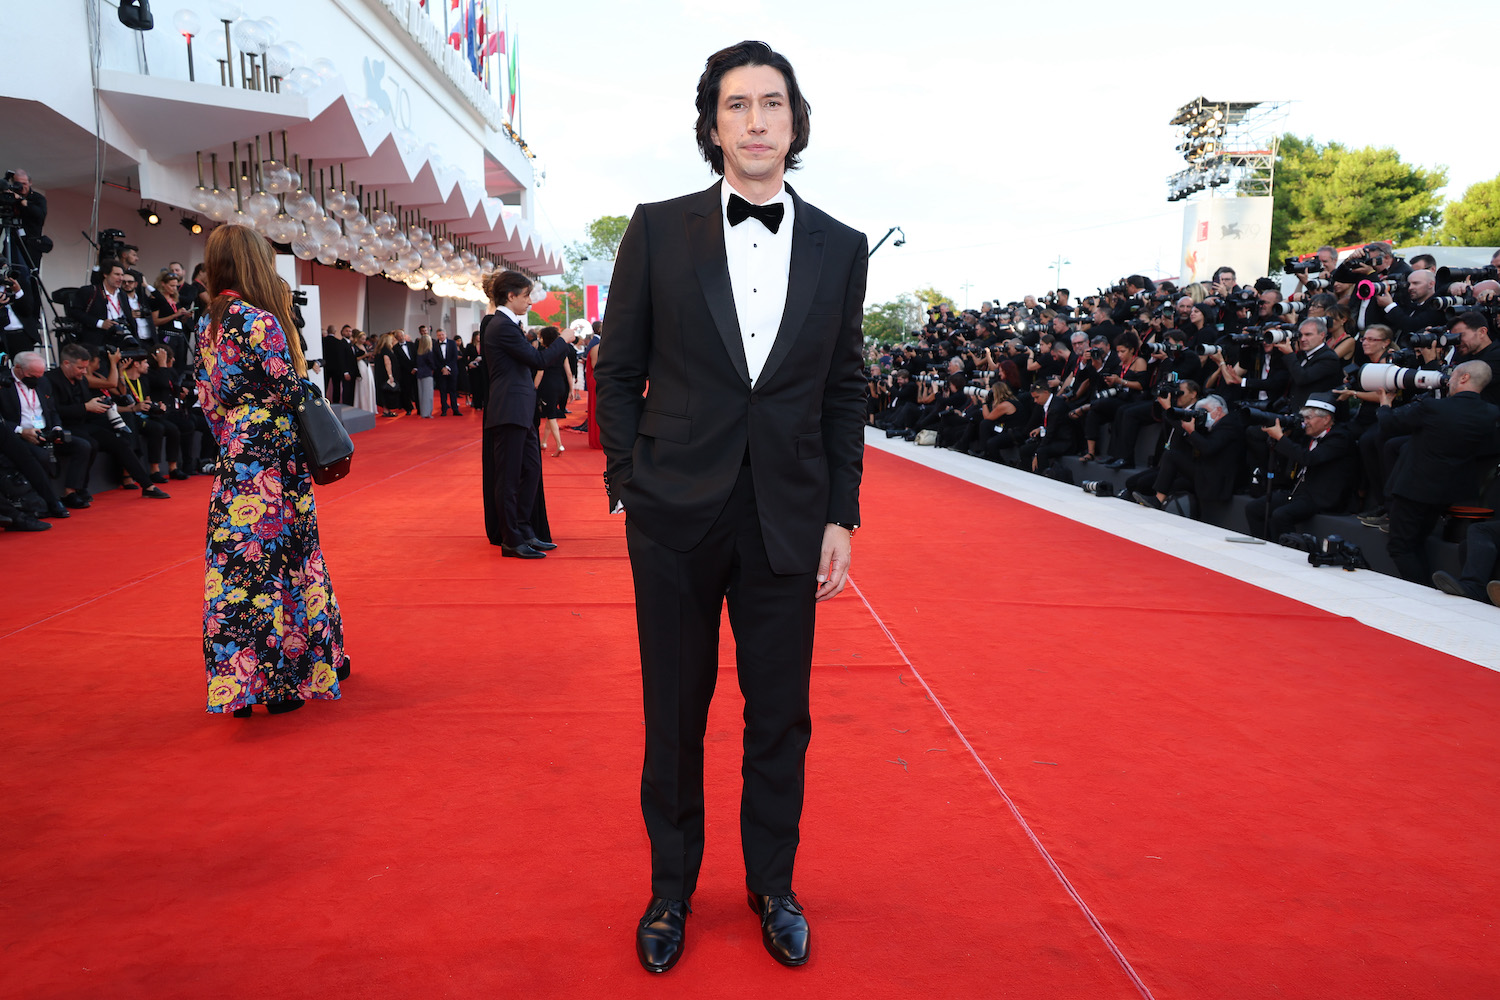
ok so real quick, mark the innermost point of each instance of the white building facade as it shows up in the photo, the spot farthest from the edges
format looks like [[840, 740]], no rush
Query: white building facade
[[348, 131]]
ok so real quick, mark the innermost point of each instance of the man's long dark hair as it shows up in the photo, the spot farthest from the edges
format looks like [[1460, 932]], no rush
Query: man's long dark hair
[[747, 54]]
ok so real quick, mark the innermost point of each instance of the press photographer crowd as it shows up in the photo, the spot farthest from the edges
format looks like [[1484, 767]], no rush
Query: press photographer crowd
[[1368, 388], [124, 381]]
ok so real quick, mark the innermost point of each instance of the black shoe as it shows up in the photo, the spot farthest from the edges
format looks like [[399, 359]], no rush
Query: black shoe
[[25, 522], [1447, 584], [130, 485], [1146, 499], [783, 928], [178, 474], [1112, 463], [57, 510], [891, 434], [659, 935], [75, 501], [283, 707], [157, 477], [342, 673], [540, 545], [241, 713], [156, 493], [522, 551], [85, 494]]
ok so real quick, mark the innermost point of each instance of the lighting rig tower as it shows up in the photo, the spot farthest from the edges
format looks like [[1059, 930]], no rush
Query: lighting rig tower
[[1226, 142]]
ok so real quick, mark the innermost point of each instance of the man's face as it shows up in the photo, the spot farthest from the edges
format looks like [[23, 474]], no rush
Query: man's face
[[1317, 421], [1059, 325], [1101, 315], [114, 278], [1267, 300], [1185, 306], [1420, 285], [1329, 259], [1473, 340], [177, 270], [753, 125], [442, 335], [1309, 336], [74, 368], [24, 179], [127, 284], [1080, 343], [130, 257]]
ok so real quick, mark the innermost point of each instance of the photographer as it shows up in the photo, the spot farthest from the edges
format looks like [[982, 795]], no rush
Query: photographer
[[136, 306], [945, 416], [1205, 458], [1310, 365], [1322, 458], [171, 315], [1003, 420], [176, 394], [104, 319], [1452, 440], [1473, 330], [30, 426], [1417, 313], [19, 311], [1166, 372], [1050, 434], [152, 420], [31, 208], [94, 419], [1128, 382], [907, 398]]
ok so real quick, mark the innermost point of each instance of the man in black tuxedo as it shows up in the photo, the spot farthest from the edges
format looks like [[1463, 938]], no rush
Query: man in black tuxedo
[[1323, 470], [738, 312], [512, 461], [28, 419], [406, 358], [104, 316], [445, 371], [1473, 331], [1050, 433], [1451, 438]]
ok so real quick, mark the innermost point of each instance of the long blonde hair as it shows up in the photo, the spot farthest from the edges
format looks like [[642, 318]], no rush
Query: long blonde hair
[[239, 259]]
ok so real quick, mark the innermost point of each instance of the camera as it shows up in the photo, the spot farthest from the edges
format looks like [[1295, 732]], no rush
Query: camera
[[1330, 551], [1368, 289], [1431, 337], [1458, 303], [1374, 378], [1288, 308], [1187, 413], [1110, 392], [1447, 275], [1265, 418], [111, 243], [1319, 284], [1279, 335], [1295, 266], [1168, 389], [299, 297], [976, 391], [1098, 488], [56, 435]]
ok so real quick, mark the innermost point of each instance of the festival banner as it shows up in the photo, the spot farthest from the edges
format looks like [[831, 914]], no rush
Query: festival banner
[[1225, 232]]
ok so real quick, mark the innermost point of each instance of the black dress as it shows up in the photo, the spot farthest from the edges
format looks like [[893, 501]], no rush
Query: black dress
[[552, 394], [388, 396]]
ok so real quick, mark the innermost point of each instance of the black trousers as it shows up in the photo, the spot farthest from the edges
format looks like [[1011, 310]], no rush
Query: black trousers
[[678, 599], [447, 387], [121, 447], [1174, 474], [27, 458], [512, 474], [1481, 545], [1411, 523], [1287, 512]]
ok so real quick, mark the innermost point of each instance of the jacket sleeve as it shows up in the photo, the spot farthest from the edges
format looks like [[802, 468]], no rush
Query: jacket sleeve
[[1395, 421], [625, 352], [844, 398]]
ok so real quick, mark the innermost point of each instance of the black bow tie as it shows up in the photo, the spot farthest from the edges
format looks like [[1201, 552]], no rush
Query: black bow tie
[[769, 215]]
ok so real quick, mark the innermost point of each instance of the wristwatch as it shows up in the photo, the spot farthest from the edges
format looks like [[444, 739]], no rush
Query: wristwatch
[[851, 528]]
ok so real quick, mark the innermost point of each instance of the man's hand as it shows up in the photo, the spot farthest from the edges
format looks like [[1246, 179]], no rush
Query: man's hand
[[833, 565], [1189, 426], [99, 404], [1384, 396], [1274, 432], [1285, 347], [29, 435], [1384, 300]]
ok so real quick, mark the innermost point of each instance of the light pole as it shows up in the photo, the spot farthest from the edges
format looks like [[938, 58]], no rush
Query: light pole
[[966, 286], [1057, 266], [888, 232]]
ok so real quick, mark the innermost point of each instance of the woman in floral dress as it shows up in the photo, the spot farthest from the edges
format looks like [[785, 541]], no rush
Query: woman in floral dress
[[272, 633]]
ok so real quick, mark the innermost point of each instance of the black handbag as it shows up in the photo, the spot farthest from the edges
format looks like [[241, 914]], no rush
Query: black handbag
[[329, 448]]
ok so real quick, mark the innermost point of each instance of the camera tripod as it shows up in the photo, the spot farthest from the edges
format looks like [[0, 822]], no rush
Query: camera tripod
[[14, 253]]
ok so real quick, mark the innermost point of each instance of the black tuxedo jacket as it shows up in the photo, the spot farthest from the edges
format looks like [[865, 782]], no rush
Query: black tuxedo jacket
[[677, 412], [10, 404], [513, 364], [1328, 471], [96, 312], [1321, 371], [1441, 463], [445, 356], [1217, 452]]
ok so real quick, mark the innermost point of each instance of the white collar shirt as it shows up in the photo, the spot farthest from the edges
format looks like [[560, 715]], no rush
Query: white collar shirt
[[12, 321], [31, 406], [759, 262], [518, 320]]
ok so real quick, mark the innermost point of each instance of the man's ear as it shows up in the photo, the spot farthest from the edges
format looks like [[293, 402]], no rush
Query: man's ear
[[713, 134]]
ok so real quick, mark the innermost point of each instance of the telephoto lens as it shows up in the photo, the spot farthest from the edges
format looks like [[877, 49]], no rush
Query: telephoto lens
[[1213, 351], [1098, 488], [1390, 378], [1280, 335]]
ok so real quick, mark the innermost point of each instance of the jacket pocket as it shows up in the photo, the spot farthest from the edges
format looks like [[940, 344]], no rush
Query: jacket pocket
[[666, 426], [810, 445]]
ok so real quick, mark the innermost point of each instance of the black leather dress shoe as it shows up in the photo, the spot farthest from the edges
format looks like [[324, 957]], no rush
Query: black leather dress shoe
[[155, 493], [177, 474], [73, 501], [540, 545], [659, 936], [522, 551], [783, 928], [21, 521], [57, 510], [342, 673]]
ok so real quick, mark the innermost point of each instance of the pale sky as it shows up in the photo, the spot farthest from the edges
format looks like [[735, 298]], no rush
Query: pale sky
[[997, 136]]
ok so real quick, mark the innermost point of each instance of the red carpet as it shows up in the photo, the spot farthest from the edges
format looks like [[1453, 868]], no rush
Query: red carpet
[[1249, 797]]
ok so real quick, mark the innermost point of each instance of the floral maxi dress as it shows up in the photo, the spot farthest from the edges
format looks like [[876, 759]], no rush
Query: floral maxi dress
[[271, 626]]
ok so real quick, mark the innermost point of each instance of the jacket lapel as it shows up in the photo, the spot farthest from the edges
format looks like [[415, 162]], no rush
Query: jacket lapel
[[802, 283], [705, 231]]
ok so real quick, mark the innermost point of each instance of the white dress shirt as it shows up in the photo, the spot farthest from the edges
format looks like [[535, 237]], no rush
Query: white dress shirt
[[31, 407], [759, 261]]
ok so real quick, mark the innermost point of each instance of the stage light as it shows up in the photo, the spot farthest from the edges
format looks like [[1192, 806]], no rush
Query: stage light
[[151, 216], [192, 225]]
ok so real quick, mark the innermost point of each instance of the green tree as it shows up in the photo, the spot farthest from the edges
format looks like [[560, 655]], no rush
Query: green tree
[[890, 322], [931, 298], [604, 236], [1474, 220], [1330, 193]]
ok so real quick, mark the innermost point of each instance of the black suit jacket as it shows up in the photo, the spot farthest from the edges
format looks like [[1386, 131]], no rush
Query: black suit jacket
[[445, 355], [1328, 471], [1441, 464], [513, 364], [1321, 371], [1217, 451], [96, 312], [10, 404], [674, 453]]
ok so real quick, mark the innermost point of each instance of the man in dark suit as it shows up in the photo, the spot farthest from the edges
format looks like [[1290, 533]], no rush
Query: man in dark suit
[[1051, 433], [20, 308], [512, 471], [1311, 365], [738, 312], [1473, 330], [86, 416], [445, 371], [28, 418], [104, 315], [1451, 438], [1322, 461], [406, 356]]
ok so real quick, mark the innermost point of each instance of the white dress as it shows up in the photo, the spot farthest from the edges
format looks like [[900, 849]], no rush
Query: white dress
[[364, 389]]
